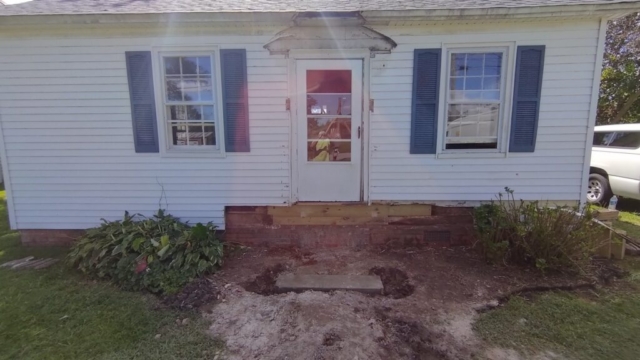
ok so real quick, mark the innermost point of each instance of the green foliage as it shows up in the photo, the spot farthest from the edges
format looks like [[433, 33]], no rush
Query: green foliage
[[620, 83], [599, 328], [159, 254], [527, 233]]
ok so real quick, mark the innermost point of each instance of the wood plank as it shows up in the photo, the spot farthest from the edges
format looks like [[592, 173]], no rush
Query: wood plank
[[410, 210], [328, 211], [333, 220]]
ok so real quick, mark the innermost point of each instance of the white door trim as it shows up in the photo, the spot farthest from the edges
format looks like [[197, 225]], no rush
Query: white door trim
[[363, 55]]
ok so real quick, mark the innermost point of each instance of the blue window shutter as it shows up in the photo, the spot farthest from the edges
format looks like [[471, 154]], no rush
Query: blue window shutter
[[424, 105], [526, 98], [143, 105], [235, 99]]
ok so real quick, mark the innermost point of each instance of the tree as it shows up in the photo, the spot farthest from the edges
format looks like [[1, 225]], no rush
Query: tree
[[620, 86]]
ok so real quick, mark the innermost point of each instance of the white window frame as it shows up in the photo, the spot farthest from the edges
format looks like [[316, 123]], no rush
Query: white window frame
[[506, 90], [164, 131]]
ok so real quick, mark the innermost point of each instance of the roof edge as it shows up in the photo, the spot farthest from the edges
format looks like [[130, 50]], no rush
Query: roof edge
[[607, 10]]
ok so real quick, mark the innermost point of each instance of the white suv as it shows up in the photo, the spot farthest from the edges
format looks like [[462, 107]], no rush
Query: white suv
[[615, 163]]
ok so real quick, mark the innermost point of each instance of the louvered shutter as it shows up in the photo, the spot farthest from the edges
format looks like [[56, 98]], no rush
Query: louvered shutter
[[143, 106], [526, 98], [235, 99], [424, 105]]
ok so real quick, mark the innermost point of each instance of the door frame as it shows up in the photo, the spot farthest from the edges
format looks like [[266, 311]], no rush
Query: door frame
[[363, 55]]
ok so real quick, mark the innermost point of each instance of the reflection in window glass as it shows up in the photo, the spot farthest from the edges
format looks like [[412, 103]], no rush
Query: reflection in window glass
[[328, 150], [602, 138], [189, 100], [328, 128], [328, 104], [474, 100], [628, 140], [329, 81]]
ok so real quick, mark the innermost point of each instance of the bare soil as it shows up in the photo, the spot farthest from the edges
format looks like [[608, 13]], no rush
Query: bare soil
[[193, 296], [426, 313]]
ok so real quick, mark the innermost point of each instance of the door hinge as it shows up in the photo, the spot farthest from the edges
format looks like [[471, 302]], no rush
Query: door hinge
[[371, 104], [287, 104]]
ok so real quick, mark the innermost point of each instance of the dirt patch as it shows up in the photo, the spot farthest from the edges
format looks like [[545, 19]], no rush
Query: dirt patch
[[434, 322], [331, 338], [395, 282], [265, 283], [197, 293]]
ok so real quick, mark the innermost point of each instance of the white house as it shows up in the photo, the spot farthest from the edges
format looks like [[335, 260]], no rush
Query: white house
[[196, 106]]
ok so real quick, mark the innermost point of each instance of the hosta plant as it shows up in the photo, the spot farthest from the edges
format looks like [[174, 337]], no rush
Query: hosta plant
[[159, 254]]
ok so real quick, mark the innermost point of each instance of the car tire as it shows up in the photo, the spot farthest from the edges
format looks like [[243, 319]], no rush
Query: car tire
[[598, 191]]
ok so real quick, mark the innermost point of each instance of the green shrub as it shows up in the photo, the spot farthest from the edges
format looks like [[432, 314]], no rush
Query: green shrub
[[159, 254], [527, 233]]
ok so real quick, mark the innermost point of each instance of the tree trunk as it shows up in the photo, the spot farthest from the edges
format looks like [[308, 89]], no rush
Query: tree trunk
[[625, 108]]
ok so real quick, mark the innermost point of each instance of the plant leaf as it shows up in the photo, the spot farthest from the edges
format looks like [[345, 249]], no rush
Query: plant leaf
[[116, 250], [164, 240], [136, 243], [163, 250]]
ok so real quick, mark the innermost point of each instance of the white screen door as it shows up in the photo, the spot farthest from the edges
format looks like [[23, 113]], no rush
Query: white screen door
[[329, 135]]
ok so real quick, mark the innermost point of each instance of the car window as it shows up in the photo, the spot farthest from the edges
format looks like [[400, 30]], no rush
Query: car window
[[628, 140], [602, 138]]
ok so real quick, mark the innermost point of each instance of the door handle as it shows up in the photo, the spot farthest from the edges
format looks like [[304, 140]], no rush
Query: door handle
[[359, 132]]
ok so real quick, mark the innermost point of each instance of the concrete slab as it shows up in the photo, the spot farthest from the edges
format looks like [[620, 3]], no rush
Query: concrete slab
[[15, 262], [368, 284]]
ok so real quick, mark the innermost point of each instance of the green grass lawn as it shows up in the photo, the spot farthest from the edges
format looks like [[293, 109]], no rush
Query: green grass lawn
[[57, 314], [604, 327]]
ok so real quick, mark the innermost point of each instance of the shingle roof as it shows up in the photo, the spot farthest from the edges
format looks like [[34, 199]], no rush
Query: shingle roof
[[47, 7]]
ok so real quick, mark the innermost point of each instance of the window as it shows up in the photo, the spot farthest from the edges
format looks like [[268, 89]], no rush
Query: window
[[474, 100], [602, 138], [189, 101], [629, 140]]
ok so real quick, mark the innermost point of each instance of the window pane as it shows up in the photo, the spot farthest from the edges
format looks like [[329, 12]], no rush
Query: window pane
[[174, 90], [457, 83], [190, 134], [204, 65], [493, 64], [195, 134], [472, 95], [171, 65], [209, 134], [190, 89], [189, 65], [601, 138], [491, 95], [179, 134], [324, 128], [327, 150], [457, 95], [629, 140], [328, 104], [206, 89], [207, 113], [491, 83], [472, 121], [190, 112], [458, 64], [329, 81], [473, 83], [475, 63]]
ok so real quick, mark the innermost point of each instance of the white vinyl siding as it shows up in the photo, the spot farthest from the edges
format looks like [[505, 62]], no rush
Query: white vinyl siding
[[66, 120], [552, 172]]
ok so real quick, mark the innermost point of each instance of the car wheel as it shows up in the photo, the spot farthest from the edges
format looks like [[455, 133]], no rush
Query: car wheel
[[599, 190]]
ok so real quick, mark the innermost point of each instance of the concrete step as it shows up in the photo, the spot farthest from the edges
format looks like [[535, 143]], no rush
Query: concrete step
[[368, 284]]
